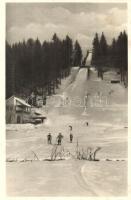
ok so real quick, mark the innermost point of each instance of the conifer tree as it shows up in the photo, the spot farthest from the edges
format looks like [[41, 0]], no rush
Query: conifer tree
[[103, 51], [78, 54], [96, 51]]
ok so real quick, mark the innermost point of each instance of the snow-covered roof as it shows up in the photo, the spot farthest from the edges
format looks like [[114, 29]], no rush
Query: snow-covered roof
[[21, 101]]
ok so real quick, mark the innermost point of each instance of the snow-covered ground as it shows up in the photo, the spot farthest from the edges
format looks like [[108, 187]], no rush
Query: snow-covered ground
[[106, 113]]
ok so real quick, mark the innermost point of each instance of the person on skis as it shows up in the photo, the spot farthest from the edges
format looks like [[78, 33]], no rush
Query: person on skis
[[59, 138], [49, 138], [71, 134]]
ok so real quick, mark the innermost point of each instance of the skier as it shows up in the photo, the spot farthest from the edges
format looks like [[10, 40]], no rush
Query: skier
[[59, 138], [87, 123], [71, 135], [49, 138]]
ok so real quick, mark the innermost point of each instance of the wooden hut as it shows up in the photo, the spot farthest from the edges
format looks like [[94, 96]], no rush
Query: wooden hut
[[17, 111]]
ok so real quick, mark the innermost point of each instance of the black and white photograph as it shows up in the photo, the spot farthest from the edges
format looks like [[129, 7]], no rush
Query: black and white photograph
[[66, 99]]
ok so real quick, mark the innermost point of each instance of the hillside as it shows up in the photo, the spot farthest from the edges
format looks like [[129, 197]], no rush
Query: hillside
[[107, 129]]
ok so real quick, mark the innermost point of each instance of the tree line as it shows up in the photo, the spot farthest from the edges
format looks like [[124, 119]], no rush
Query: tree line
[[115, 55], [39, 68]]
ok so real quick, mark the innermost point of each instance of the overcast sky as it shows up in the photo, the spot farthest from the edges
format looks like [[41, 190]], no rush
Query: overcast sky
[[79, 20]]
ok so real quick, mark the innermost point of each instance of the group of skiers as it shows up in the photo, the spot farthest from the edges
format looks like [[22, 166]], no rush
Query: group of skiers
[[59, 137]]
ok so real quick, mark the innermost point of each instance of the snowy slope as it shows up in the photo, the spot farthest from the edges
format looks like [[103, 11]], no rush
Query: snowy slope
[[107, 129]]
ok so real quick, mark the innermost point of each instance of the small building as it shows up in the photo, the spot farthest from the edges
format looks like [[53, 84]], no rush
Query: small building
[[111, 77], [17, 111], [37, 117]]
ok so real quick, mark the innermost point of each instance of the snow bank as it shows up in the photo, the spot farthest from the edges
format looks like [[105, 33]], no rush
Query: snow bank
[[17, 127]]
